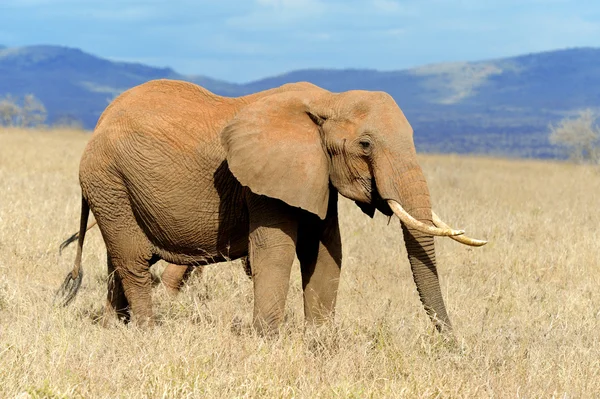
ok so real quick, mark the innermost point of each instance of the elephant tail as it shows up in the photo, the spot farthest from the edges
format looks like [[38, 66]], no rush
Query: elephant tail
[[67, 291], [74, 238]]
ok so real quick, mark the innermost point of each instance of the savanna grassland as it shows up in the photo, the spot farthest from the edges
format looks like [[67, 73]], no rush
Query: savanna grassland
[[525, 307]]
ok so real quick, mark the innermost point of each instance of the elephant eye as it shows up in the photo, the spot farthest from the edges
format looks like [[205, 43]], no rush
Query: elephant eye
[[365, 145]]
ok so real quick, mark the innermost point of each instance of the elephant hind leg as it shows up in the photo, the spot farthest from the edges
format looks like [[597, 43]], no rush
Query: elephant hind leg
[[175, 276], [131, 285], [116, 302], [129, 292], [130, 288]]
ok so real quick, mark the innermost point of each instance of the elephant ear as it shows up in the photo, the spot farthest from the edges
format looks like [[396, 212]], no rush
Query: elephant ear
[[274, 147]]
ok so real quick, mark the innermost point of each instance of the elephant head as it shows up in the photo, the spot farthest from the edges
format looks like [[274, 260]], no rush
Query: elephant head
[[296, 145]]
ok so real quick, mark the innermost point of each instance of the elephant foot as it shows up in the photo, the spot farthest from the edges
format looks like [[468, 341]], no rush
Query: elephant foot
[[112, 316], [266, 329]]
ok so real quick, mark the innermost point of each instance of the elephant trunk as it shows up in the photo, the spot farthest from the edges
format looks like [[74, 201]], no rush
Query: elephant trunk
[[409, 188], [421, 255]]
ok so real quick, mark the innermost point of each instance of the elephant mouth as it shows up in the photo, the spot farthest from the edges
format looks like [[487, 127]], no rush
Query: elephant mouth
[[376, 201]]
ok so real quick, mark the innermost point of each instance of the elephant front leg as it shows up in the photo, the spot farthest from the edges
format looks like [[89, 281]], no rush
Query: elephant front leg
[[320, 255], [272, 247]]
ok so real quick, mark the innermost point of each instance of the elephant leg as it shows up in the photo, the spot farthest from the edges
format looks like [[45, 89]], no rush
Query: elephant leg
[[137, 285], [117, 306], [272, 247], [320, 254], [174, 276], [129, 255]]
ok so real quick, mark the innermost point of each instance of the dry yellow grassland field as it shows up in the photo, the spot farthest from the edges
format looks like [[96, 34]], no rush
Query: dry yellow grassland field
[[525, 307]]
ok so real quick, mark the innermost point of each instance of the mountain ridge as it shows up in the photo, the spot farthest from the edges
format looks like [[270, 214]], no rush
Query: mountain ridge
[[501, 105]]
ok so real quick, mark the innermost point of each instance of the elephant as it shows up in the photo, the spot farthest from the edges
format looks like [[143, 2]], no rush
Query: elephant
[[175, 172]]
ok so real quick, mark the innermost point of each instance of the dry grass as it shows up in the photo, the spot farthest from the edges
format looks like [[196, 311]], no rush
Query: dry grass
[[526, 307]]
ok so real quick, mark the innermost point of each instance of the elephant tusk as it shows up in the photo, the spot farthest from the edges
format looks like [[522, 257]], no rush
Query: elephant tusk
[[462, 239], [413, 223]]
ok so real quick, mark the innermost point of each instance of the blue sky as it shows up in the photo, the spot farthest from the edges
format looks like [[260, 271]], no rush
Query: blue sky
[[245, 40]]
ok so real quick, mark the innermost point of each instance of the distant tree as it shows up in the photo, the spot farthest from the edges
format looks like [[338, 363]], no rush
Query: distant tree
[[579, 136], [33, 112], [9, 111]]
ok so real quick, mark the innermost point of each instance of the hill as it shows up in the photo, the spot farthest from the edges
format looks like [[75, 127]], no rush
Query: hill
[[74, 84], [498, 106]]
